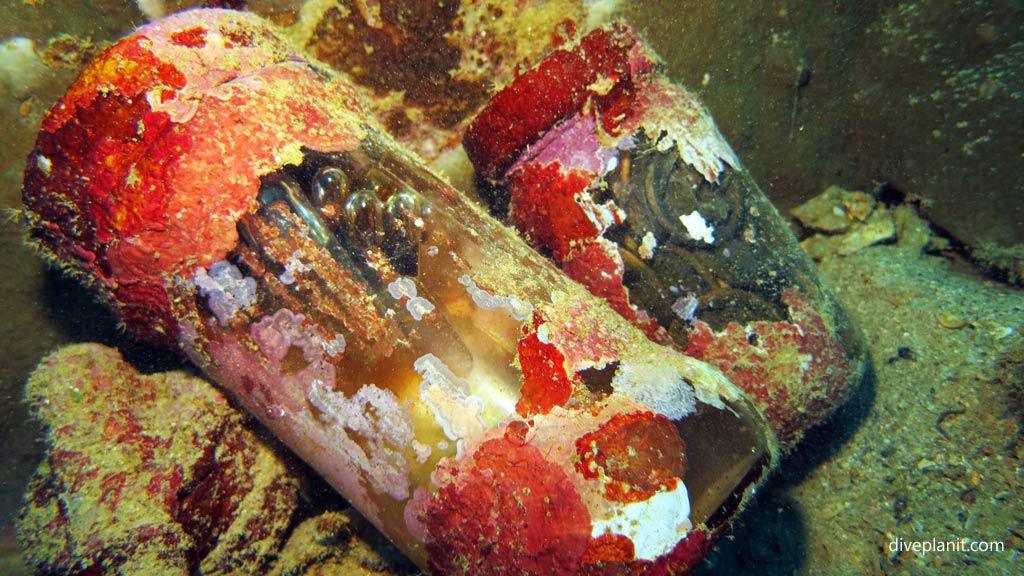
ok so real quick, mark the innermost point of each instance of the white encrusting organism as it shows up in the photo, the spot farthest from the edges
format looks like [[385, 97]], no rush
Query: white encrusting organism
[[335, 345], [225, 289], [456, 409], [417, 306], [697, 228], [518, 309], [659, 383], [402, 286], [647, 246], [685, 307], [293, 266], [384, 425], [654, 525]]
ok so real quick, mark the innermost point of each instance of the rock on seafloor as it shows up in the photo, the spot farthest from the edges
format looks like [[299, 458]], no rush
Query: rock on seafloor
[[339, 543], [842, 222], [147, 474]]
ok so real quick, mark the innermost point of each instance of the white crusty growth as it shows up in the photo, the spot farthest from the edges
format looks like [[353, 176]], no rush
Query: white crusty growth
[[225, 289], [456, 410], [518, 309]]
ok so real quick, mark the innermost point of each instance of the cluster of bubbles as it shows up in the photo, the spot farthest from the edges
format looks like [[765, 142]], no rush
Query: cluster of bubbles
[[373, 210]]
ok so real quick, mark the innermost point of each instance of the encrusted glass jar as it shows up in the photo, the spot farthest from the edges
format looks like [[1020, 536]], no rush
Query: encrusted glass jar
[[485, 411]]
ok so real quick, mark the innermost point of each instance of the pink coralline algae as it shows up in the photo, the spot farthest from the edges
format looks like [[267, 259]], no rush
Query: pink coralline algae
[[524, 515], [791, 367], [147, 474]]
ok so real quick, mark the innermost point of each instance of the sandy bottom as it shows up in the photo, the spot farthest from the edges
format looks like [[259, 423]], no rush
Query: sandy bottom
[[930, 449]]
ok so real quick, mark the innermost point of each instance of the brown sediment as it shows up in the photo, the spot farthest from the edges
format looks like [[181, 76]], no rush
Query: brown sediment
[[404, 47], [339, 542]]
